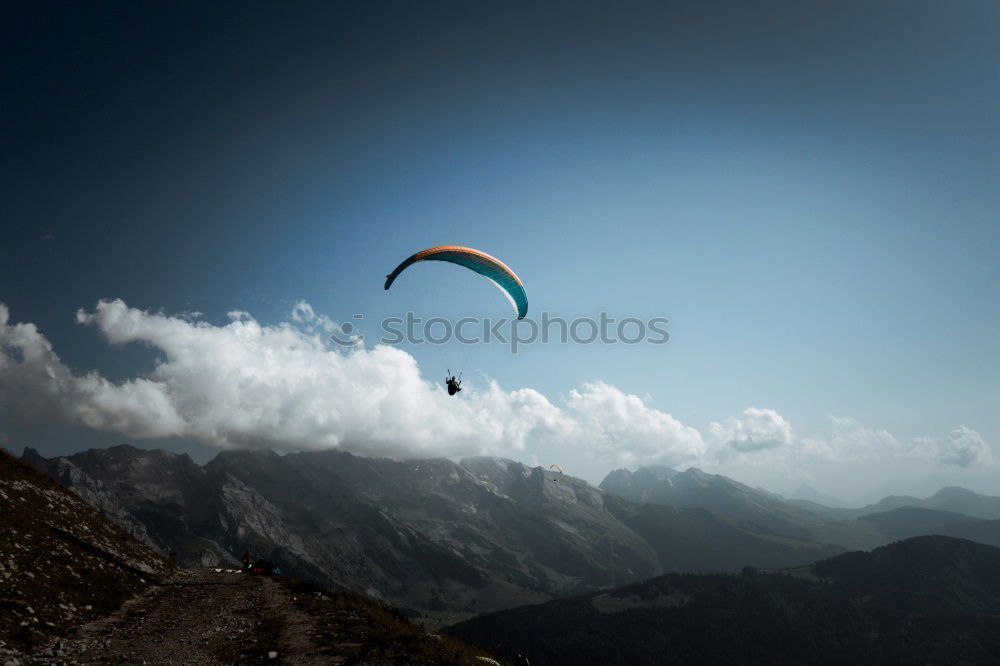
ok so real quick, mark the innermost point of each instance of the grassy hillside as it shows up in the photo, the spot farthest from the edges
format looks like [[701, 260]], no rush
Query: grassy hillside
[[928, 600]]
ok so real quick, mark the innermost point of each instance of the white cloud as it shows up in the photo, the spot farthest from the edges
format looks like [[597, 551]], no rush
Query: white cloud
[[854, 441], [36, 387], [285, 386], [754, 430], [964, 448], [766, 435], [761, 444], [622, 429], [307, 318]]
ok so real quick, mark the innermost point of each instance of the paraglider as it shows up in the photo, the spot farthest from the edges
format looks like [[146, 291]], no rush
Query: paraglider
[[454, 385], [557, 466], [489, 267]]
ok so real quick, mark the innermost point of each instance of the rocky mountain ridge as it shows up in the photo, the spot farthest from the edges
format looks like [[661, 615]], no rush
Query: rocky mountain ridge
[[431, 534], [859, 528]]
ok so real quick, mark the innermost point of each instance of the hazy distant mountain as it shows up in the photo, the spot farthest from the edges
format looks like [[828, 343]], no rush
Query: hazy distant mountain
[[482, 534], [909, 521], [694, 488], [809, 519], [753, 508], [951, 498], [925, 600], [810, 494], [824, 511]]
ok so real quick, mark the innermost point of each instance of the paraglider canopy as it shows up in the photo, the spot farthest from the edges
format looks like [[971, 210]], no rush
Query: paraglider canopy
[[556, 466], [489, 267]]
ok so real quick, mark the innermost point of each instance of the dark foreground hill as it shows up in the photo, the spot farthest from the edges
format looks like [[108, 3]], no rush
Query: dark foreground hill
[[927, 600], [430, 534], [218, 616], [61, 563], [75, 588]]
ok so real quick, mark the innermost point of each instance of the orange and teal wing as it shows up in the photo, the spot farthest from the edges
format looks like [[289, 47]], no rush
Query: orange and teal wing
[[489, 267]]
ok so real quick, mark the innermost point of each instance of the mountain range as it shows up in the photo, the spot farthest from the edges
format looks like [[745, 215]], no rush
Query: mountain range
[[480, 527], [752, 507], [431, 534], [951, 511], [482, 534]]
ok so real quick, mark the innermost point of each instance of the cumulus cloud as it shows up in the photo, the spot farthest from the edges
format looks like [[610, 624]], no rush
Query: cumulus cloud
[[36, 387], [244, 384], [308, 319], [964, 447], [624, 430], [754, 430], [762, 442], [765, 435], [854, 441]]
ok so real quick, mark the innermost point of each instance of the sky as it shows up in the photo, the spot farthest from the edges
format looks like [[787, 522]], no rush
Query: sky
[[197, 196]]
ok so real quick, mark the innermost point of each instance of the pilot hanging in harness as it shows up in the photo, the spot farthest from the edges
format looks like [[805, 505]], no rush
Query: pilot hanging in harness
[[454, 385]]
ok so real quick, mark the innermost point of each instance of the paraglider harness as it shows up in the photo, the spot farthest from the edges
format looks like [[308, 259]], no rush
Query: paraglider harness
[[454, 385]]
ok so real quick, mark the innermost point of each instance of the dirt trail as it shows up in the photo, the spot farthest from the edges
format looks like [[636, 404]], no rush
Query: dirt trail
[[199, 616]]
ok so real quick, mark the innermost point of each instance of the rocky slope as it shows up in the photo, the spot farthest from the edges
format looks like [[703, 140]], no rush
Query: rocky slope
[[213, 616], [61, 562], [75, 588], [147, 493]]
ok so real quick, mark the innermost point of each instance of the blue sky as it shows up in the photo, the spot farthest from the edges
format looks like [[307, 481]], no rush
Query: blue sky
[[808, 191]]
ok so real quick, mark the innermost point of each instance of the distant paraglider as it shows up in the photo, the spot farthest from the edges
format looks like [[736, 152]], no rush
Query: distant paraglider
[[489, 267], [454, 385], [556, 466]]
